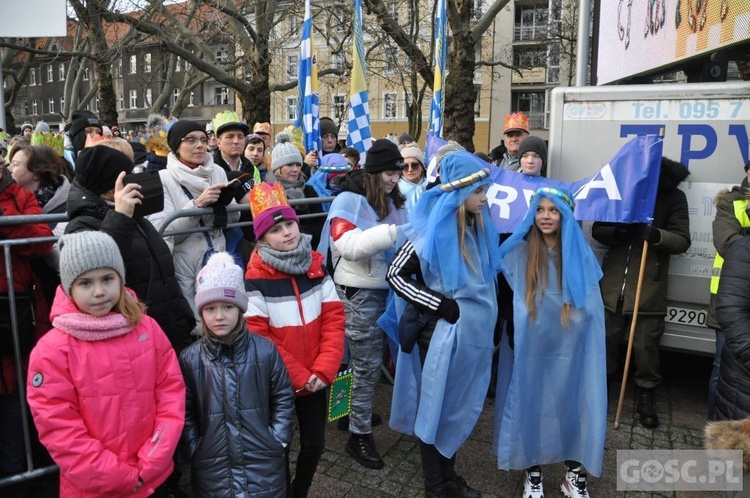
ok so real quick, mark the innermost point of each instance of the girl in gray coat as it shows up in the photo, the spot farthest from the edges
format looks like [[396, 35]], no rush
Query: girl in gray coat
[[240, 402]]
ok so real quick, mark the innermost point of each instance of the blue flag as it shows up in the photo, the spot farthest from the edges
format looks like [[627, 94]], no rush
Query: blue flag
[[360, 135], [623, 191], [308, 113], [438, 97]]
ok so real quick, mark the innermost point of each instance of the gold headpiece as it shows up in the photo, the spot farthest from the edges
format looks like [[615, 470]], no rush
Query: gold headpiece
[[56, 142], [465, 181], [517, 121], [265, 195]]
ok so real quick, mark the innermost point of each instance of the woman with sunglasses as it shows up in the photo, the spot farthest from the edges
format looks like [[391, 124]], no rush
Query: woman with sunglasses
[[191, 180], [413, 181]]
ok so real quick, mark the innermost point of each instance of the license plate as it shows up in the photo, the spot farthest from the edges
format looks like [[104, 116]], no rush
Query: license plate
[[685, 316]]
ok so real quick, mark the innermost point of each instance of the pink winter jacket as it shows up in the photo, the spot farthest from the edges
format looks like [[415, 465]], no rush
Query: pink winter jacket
[[109, 411]]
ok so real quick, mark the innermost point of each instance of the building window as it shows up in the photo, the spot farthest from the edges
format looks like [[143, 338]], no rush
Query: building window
[[338, 107], [390, 108], [133, 64], [291, 108], [476, 12], [119, 67], [553, 64], [191, 103], [533, 104], [85, 74], [294, 25], [32, 77], [175, 96], [61, 72], [147, 99], [393, 10], [530, 56], [222, 95], [50, 73], [133, 99], [51, 105], [222, 54], [120, 101], [62, 104], [25, 108], [338, 61], [337, 20], [178, 65], [96, 105], [34, 107], [391, 59], [292, 67], [147, 63], [531, 22]]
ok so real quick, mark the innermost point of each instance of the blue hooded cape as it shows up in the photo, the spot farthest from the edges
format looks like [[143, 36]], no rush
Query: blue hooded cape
[[551, 402], [441, 402]]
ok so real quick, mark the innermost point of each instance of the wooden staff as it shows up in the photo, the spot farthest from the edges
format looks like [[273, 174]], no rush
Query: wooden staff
[[632, 332]]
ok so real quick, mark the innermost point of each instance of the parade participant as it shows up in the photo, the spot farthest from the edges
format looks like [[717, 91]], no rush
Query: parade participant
[[413, 181], [103, 346], [293, 302], [328, 141], [446, 271], [326, 179], [516, 130], [361, 232], [239, 413], [559, 345]]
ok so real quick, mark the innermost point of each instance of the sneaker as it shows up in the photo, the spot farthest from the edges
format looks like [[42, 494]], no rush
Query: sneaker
[[574, 484], [457, 488], [533, 487]]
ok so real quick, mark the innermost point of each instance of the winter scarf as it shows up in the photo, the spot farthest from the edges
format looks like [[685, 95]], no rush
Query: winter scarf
[[44, 194], [92, 328], [293, 189], [194, 179], [295, 262]]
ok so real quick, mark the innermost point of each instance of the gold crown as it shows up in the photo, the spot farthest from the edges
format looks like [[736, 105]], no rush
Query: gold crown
[[265, 195], [56, 142], [516, 121]]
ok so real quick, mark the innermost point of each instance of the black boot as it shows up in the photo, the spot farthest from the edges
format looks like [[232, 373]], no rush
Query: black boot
[[362, 448], [646, 408], [457, 488], [438, 491], [342, 424]]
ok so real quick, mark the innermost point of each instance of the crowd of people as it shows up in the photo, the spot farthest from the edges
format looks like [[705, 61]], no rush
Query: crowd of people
[[206, 345]]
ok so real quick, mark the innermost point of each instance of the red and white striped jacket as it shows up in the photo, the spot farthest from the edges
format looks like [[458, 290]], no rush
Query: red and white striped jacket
[[301, 314]]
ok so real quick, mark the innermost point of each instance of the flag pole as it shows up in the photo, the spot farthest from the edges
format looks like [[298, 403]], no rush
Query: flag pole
[[641, 272]]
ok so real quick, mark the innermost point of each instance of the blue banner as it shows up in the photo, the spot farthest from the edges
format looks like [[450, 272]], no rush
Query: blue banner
[[623, 191]]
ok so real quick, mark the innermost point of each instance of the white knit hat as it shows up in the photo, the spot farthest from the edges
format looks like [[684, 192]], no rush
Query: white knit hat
[[220, 280], [284, 152], [413, 152], [84, 251]]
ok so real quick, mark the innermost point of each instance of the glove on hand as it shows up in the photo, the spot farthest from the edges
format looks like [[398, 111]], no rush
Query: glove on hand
[[448, 310], [651, 234]]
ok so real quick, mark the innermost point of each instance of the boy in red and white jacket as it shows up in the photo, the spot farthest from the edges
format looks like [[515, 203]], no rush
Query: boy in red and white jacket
[[293, 302]]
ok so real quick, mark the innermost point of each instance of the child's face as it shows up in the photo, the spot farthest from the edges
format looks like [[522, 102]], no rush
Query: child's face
[[390, 179], [255, 152], [283, 236], [547, 218], [476, 201], [220, 318], [531, 163], [96, 292]]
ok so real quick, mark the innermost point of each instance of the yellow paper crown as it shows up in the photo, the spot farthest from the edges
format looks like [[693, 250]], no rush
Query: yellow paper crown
[[265, 195], [56, 142], [516, 121]]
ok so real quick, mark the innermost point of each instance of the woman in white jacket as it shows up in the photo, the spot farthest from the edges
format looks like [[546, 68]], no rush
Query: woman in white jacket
[[191, 180], [362, 225]]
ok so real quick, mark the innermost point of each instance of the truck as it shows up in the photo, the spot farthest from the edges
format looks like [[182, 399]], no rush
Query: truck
[[706, 127]]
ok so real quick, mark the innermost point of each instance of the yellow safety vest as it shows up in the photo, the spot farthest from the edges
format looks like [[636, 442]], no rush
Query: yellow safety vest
[[740, 212]]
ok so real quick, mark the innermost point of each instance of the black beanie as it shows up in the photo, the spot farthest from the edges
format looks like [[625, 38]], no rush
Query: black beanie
[[383, 156], [178, 131], [97, 168], [405, 138], [533, 144], [77, 128], [327, 126]]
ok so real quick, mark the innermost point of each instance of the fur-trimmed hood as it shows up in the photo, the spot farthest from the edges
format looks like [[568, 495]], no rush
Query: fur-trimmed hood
[[672, 173], [730, 435]]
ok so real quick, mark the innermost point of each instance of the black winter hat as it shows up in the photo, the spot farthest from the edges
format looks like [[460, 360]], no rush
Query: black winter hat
[[405, 138], [178, 131], [97, 168], [77, 128], [327, 126], [383, 156], [534, 144]]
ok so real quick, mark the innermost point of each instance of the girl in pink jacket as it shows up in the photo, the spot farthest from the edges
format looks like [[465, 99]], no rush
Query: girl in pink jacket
[[104, 385]]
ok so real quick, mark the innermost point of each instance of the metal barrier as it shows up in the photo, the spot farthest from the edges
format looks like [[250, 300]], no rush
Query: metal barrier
[[32, 472]]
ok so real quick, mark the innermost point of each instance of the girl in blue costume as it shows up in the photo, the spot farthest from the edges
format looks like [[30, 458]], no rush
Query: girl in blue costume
[[326, 179], [551, 401], [447, 269]]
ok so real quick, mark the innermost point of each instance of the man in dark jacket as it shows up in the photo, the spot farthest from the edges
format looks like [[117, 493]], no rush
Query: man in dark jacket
[[149, 266], [669, 234]]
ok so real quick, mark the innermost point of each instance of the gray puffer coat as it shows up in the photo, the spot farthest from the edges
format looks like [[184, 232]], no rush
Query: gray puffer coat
[[239, 415]]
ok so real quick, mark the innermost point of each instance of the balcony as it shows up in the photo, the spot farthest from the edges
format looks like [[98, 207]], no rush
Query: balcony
[[530, 33]]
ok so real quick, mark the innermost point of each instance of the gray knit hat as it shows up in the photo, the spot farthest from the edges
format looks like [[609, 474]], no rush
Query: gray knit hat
[[446, 149], [284, 152], [84, 251], [220, 280]]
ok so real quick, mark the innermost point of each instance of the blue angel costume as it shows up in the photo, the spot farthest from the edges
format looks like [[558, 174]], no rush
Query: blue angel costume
[[551, 402], [441, 400], [331, 166]]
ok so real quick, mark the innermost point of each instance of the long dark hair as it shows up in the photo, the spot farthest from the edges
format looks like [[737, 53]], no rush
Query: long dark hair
[[378, 199]]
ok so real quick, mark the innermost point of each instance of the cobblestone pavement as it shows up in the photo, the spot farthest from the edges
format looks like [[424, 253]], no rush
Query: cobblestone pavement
[[681, 405]]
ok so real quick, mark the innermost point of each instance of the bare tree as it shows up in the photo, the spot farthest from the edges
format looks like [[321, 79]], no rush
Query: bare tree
[[14, 74]]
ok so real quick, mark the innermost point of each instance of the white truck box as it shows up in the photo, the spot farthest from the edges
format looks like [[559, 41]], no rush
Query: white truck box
[[707, 128]]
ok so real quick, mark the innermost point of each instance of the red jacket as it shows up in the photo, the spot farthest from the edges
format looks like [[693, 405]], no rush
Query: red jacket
[[301, 314], [109, 411]]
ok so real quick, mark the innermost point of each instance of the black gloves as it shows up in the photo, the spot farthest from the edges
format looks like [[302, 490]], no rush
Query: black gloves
[[627, 232], [651, 234], [239, 184], [448, 310]]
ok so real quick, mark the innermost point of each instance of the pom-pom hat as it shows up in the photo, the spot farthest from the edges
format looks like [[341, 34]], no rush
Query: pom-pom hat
[[220, 280], [85, 251], [284, 152]]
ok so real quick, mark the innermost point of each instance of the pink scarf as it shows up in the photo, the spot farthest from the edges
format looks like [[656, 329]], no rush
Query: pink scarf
[[92, 328]]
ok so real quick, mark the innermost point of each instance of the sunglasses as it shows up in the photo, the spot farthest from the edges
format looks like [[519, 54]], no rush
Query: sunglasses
[[412, 166]]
